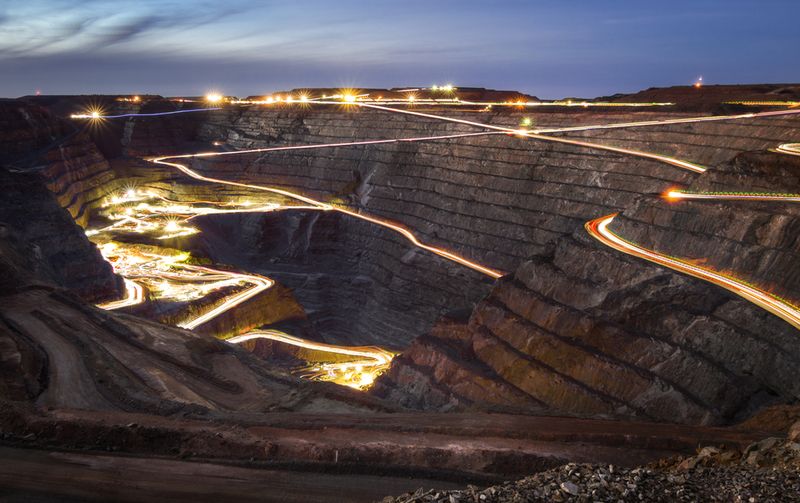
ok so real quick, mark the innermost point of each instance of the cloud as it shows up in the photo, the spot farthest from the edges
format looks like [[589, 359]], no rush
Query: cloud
[[549, 47], [58, 27]]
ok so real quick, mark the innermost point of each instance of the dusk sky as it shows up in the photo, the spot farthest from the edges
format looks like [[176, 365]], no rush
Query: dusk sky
[[549, 48]]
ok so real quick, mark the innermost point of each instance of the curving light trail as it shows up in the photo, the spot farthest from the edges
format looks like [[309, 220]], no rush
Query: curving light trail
[[168, 277], [396, 227], [134, 294], [359, 373], [143, 217], [599, 230]]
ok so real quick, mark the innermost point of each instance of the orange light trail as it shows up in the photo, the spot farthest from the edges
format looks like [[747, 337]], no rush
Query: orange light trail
[[359, 373], [598, 229], [396, 227]]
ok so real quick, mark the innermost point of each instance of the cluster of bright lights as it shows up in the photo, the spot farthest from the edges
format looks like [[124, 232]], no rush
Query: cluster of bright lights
[[447, 88], [166, 275], [164, 218], [161, 220], [357, 374], [214, 98], [276, 99], [348, 97]]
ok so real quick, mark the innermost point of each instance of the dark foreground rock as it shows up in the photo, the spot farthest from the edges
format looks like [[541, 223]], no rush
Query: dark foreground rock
[[768, 470]]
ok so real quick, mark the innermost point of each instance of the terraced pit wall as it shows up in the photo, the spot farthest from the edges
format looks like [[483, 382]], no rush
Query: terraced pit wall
[[576, 328]]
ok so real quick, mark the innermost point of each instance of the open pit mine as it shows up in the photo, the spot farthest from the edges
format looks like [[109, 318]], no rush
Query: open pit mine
[[346, 295]]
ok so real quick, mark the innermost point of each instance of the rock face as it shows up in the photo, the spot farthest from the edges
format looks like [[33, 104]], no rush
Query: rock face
[[39, 238], [40, 242], [61, 353], [575, 327], [494, 199], [588, 330], [65, 156]]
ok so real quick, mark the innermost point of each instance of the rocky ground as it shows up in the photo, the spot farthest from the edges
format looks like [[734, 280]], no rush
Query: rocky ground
[[768, 470]]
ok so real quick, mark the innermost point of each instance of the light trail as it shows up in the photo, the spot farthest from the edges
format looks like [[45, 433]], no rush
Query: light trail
[[663, 122], [765, 103], [143, 217], [332, 145], [523, 133], [789, 148], [413, 99], [168, 277], [259, 283], [786, 148], [527, 134], [134, 294], [677, 195], [537, 134], [170, 218], [97, 115], [360, 373], [599, 230], [396, 227]]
